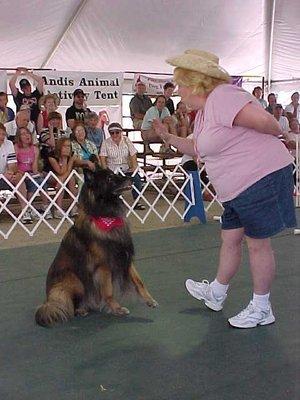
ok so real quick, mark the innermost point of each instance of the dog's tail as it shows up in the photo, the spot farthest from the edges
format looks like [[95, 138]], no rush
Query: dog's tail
[[59, 307]]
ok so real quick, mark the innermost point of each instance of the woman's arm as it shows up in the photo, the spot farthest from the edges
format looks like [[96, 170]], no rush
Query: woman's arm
[[39, 123], [132, 162], [103, 162], [255, 117], [185, 146], [35, 161], [78, 162], [58, 169]]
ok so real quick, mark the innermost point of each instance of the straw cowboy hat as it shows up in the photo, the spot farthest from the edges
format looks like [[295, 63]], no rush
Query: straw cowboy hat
[[200, 61], [53, 96]]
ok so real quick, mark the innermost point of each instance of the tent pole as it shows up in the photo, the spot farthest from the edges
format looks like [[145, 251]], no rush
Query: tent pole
[[270, 64], [63, 35]]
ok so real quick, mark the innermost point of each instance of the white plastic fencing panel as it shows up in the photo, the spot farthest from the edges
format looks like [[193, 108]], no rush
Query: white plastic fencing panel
[[156, 190], [159, 183]]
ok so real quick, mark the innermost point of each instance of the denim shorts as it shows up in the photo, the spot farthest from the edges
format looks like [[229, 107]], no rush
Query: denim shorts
[[265, 208], [32, 187]]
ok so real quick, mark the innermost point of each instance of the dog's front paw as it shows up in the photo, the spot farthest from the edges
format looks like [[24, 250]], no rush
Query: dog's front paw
[[120, 311], [82, 312], [152, 303]]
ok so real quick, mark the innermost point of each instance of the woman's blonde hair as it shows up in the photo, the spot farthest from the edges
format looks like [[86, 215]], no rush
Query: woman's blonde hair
[[200, 83]]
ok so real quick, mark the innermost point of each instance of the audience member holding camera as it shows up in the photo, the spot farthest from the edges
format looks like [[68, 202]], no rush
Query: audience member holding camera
[[83, 148]]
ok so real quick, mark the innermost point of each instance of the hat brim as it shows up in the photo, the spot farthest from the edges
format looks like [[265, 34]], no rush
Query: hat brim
[[115, 129], [196, 63]]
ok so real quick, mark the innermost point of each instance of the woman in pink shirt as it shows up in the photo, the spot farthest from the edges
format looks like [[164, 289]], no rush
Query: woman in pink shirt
[[27, 161], [250, 170]]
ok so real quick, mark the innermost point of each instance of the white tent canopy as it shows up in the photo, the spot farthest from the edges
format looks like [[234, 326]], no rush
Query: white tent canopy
[[251, 37]]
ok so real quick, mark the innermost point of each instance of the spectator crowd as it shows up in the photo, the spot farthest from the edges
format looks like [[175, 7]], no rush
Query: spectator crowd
[[34, 141]]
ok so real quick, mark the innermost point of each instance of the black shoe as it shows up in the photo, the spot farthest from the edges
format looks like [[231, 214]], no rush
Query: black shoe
[[139, 206]]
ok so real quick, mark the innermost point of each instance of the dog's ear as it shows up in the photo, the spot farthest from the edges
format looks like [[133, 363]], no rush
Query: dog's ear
[[88, 176]]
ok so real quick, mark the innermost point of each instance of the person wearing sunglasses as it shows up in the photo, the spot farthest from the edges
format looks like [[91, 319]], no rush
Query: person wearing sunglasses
[[119, 154]]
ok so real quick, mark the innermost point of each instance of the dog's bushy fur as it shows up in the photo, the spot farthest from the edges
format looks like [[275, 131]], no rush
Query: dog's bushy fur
[[89, 261]]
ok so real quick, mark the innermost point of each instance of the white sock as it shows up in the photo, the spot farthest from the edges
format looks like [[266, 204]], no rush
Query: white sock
[[261, 300], [219, 290]]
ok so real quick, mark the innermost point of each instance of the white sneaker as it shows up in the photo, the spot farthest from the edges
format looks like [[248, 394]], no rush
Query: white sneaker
[[57, 214], [203, 291], [26, 218], [252, 316], [34, 215], [48, 215]]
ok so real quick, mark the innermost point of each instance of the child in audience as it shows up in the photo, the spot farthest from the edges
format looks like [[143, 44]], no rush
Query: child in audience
[[47, 104], [182, 120], [27, 161], [62, 161], [49, 137]]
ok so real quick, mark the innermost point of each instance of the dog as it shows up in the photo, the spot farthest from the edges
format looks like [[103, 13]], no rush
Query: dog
[[95, 256]]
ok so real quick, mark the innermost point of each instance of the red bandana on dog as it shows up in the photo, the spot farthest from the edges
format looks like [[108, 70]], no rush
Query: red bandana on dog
[[106, 223]]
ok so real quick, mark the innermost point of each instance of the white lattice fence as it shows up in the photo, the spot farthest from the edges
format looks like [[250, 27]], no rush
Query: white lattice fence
[[160, 183], [165, 186]]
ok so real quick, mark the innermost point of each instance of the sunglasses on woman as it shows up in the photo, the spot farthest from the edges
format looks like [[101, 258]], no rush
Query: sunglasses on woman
[[114, 132]]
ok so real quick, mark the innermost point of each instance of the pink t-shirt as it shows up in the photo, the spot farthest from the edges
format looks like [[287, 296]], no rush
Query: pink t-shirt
[[25, 158], [235, 157]]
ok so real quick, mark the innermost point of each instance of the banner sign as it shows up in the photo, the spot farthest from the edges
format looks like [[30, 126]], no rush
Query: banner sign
[[153, 85], [3, 81], [237, 80], [100, 88]]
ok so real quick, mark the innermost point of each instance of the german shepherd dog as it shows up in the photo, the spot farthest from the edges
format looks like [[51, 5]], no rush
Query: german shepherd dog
[[95, 254]]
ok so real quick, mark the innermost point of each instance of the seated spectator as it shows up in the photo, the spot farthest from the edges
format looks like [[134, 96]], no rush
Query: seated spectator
[[169, 88], [257, 92], [22, 121], [182, 120], [78, 109], [6, 113], [272, 102], [27, 96], [83, 148], [62, 162], [9, 170], [49, 137], [47, 104], [283, 121], [160, 111], [293, 109], [139, 104], [27, 161], [292, 135], [94, 134], [118, 153]]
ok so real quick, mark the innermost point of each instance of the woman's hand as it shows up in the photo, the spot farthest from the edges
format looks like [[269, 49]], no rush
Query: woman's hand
[[161, 130], [90, 165]]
